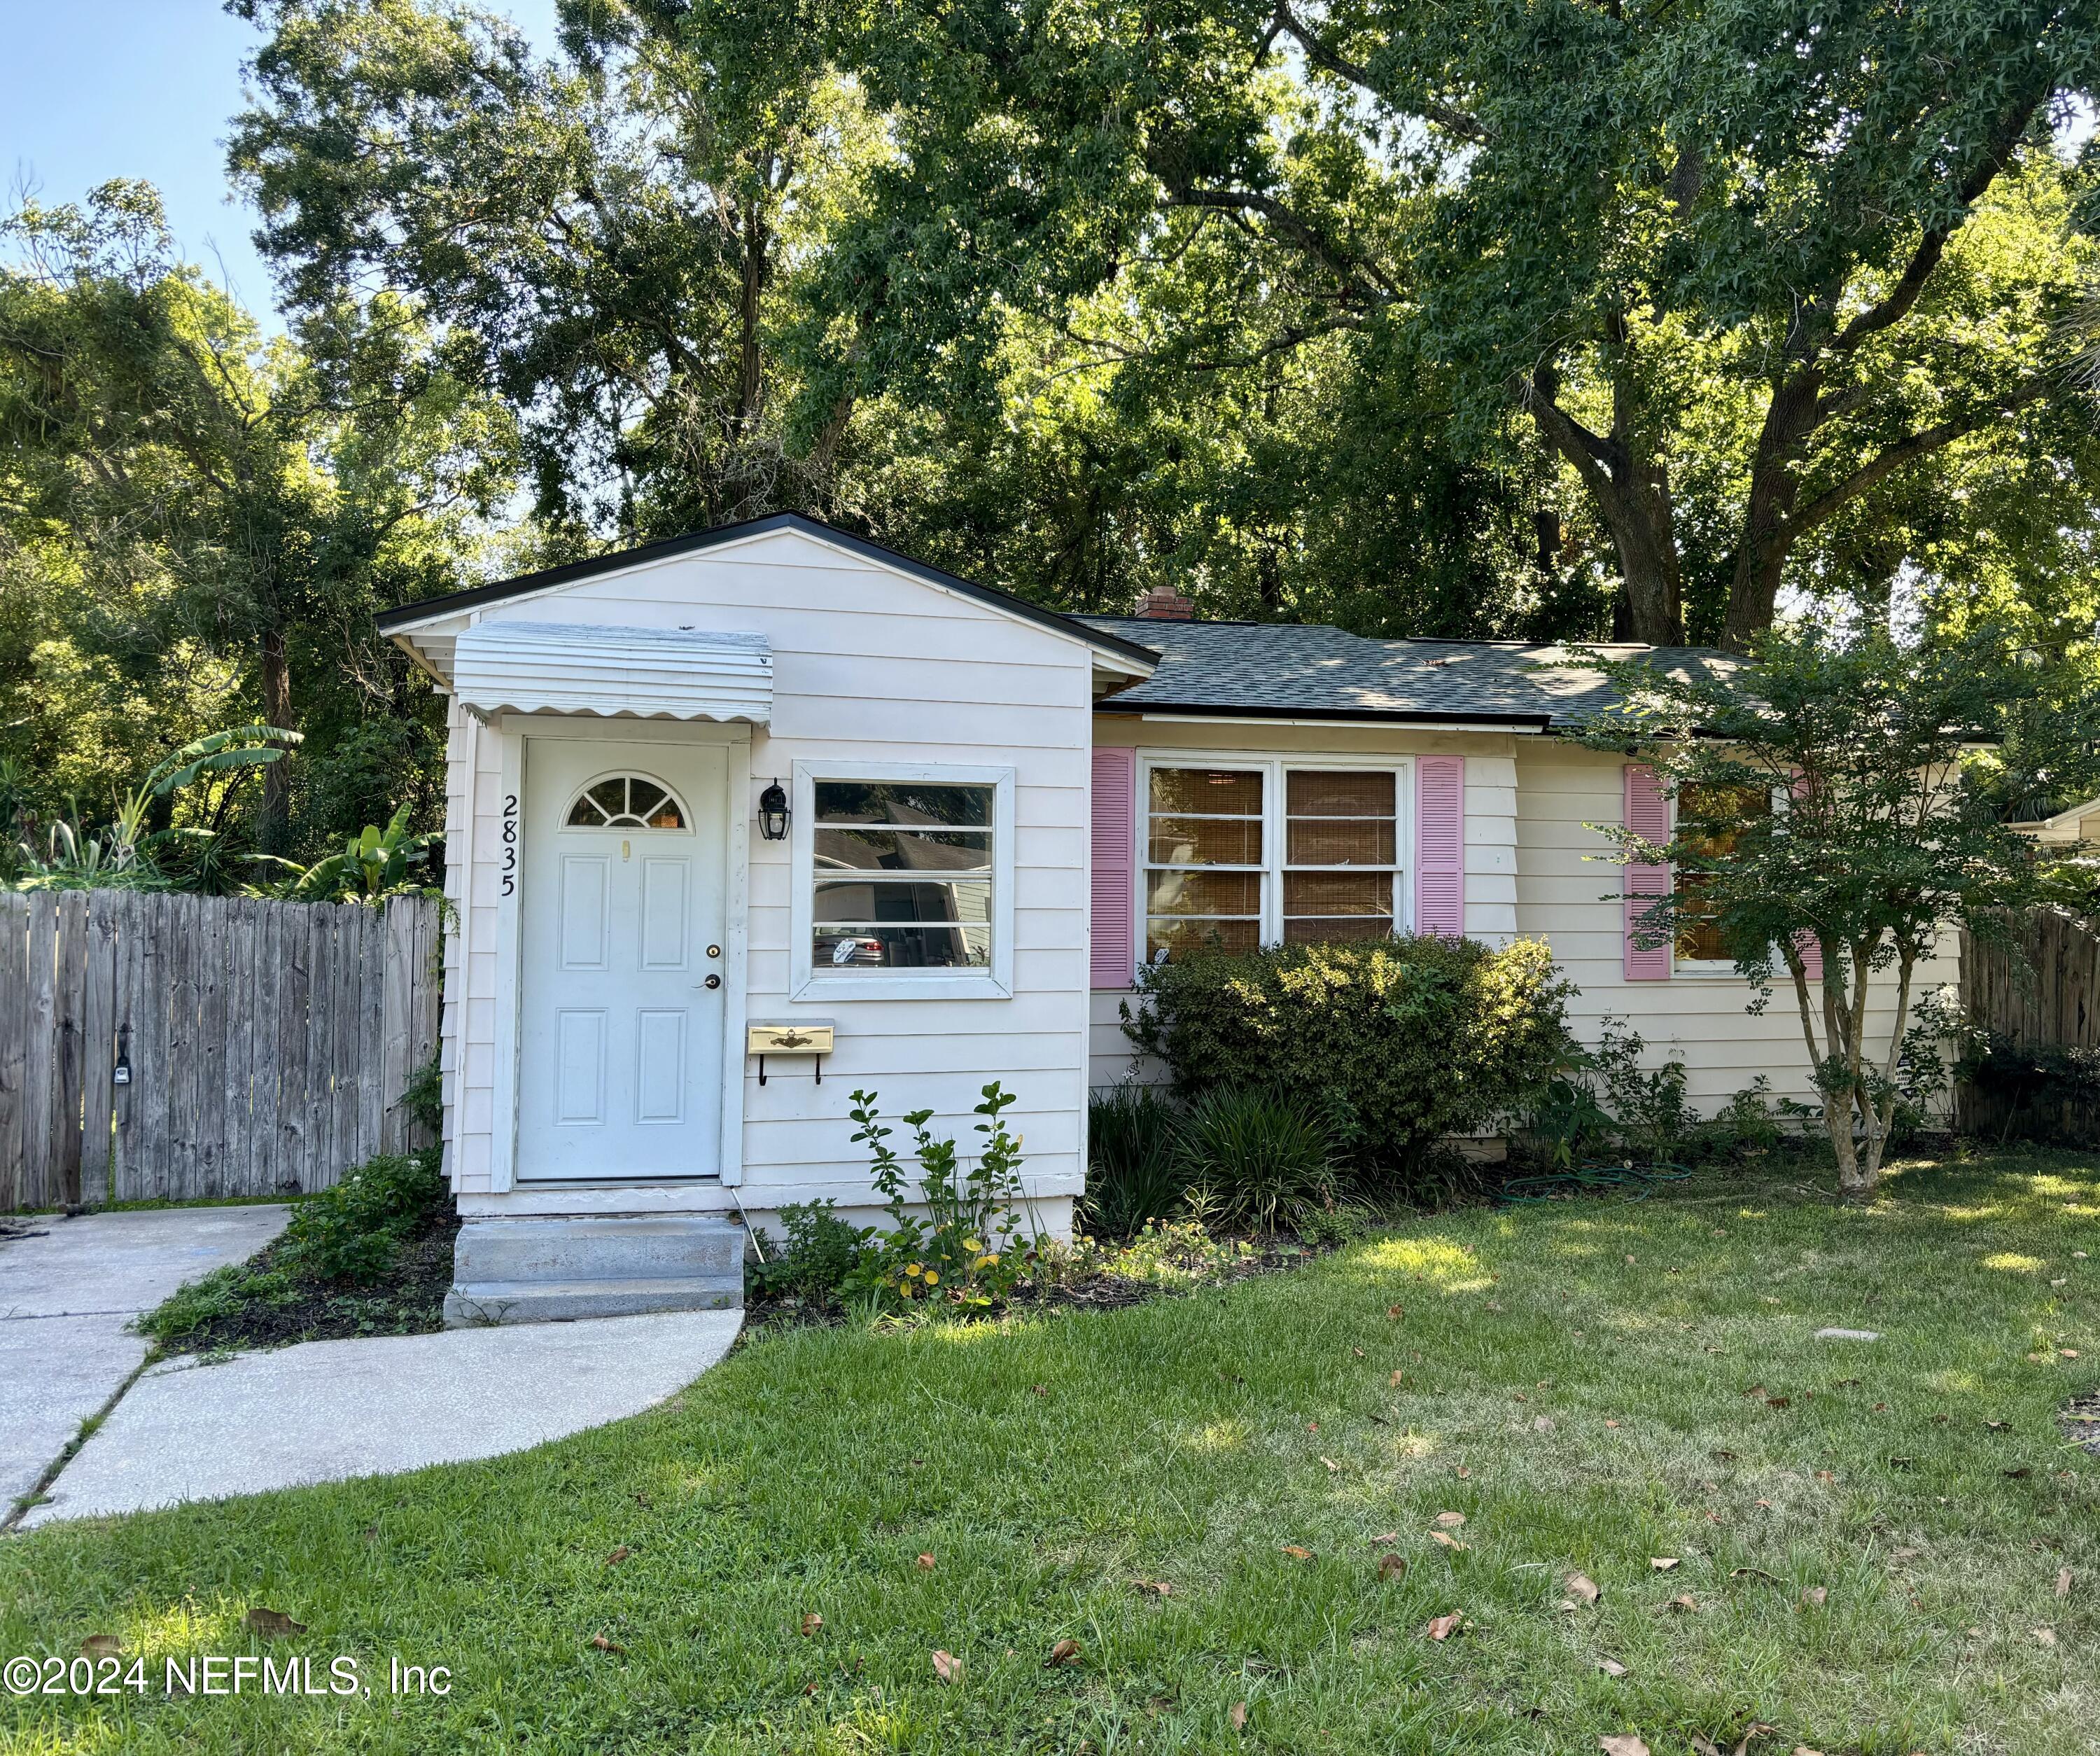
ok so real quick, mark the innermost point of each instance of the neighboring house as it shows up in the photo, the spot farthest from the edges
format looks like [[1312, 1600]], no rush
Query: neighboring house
[[986, 814], [2078, 823]]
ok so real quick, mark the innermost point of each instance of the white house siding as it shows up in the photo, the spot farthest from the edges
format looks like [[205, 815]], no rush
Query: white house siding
[[1528, 801], [868, 665], [1700, 1019]]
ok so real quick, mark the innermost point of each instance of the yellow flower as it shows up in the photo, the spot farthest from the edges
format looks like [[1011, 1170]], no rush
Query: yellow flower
[[931, 1278], [973, 1244], [987, 1262], [914, 1271]]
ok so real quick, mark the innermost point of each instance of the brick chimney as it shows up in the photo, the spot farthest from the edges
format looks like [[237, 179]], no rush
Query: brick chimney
[[1162, 603]]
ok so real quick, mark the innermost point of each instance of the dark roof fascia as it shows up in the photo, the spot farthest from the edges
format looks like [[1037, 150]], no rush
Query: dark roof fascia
[[406, 615], [1400, 716]]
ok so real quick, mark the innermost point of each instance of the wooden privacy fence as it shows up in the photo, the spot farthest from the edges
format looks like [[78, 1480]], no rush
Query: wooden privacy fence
[[2041, 991], [183, 1046]]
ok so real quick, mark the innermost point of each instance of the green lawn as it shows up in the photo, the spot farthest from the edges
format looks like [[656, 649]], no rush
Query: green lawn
[[1591, 1385]]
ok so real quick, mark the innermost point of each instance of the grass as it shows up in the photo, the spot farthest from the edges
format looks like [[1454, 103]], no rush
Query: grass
[[1044, 1464]]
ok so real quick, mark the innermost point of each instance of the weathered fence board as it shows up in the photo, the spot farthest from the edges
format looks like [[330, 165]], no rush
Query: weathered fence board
[[267, 1043], [2040, 990]]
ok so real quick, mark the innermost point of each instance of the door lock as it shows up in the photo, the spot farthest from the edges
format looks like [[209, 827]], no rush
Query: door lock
[[713, 981], [714, 951]]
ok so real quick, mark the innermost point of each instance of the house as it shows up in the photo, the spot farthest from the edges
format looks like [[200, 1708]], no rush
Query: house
[[745, 821], [2074, 824]]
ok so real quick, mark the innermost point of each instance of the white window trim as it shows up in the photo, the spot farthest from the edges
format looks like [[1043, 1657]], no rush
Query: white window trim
[[806, 982], [1273, 766]]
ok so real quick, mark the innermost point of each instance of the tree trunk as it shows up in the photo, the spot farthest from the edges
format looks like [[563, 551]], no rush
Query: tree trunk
[[1650, 607], [273, 828]]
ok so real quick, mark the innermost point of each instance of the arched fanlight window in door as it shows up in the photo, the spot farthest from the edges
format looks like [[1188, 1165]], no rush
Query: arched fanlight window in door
[[625, 801]]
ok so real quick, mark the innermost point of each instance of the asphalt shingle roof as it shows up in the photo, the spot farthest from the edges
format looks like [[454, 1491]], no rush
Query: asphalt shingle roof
[[1276, 670]]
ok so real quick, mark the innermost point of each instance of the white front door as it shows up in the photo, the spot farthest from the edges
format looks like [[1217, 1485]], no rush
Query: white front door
[[621, 975]]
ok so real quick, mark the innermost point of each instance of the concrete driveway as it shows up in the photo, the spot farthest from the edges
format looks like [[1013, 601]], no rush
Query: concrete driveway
[[67, 1292]]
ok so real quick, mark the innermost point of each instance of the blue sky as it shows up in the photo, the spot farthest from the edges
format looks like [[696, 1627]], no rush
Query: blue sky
[[91, 90]]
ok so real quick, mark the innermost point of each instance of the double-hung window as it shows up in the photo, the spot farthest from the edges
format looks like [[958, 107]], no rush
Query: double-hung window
[[1251, 852], [1698, 950], [903, 880]]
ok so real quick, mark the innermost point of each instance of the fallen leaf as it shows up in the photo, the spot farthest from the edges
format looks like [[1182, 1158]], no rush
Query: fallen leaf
[[1442, 1627], [1611, 1423], [1391, 1566], [1331, 1464], [1583, 1586], [617, 1556], [926, 1563], [1450, 1520], [1996, 1426], [1824, 1475], [946, 1666], [1312, 1427], [1039, 1390], [1663, 1564], [1358, 1352], [1621, 1743], [1815, 1597], [1449, 1542], [1778, 1402], [2063, 1582], [604, 1645], [1395, 1311], [812, 1622], [2069, 1353], [1238, 1716], [1611, 1667], [1397, 1374], [1542, 1423], [1703, 1745], [1063, 1652], [1390, 1536], [1684, 1601], [1766, 1504], [1159, 1588], [1802, 1750], [274, 1625], [1297, 1554], [2021, 1474], [1753, 1573], [811, 1686], [107, 1645], [2046, 1636]]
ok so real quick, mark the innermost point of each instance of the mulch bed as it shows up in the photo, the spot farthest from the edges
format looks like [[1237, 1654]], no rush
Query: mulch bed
[[407, 1300], [1274, 1255]]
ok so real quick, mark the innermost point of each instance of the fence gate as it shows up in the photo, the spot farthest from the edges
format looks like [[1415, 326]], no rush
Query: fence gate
[[183, 1046], [2039, 988]]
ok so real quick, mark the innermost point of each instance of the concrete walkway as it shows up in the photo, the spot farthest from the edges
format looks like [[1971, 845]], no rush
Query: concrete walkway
[[327, 1410], [68, 1292]]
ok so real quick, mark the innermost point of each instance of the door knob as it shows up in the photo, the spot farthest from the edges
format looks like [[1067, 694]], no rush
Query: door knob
[[713, 981]]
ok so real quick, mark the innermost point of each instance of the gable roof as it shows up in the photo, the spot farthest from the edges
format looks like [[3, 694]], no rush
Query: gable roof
[[403, 617], [1286, 670]]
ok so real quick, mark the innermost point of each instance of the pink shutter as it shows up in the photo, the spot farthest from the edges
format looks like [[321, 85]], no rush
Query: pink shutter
[[1648, 815], [1806, 943], [1115, 860], [1440, 845]]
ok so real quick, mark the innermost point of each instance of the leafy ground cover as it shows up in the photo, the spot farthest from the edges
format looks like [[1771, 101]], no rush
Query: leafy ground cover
[[372, 1255], [1167, 1528]]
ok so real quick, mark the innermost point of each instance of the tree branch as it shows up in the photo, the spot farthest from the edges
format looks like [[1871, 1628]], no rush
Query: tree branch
[[1323, 54], [1908, 449], [1301, 232]]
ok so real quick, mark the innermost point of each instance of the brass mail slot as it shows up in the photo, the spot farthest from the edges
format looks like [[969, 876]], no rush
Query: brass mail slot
[[789, 1038]]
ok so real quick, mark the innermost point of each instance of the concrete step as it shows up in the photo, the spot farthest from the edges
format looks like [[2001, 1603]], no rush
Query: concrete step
[[546, 1268], [480, 1304]]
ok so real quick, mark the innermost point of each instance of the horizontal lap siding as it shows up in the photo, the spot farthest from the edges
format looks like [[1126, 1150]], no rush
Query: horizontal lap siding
[[867, 665], [1570, 903]]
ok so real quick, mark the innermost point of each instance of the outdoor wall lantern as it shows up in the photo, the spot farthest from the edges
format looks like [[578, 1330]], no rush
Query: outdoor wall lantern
[[772, 813]]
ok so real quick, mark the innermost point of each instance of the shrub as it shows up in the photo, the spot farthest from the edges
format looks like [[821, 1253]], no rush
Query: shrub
[[1134, 1173], [350, 1232], [1399, 1041], [1254, 1157], [962, 1252], [818, 1254]]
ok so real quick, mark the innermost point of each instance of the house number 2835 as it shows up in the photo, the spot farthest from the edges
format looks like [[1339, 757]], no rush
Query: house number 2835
[[510, 844]]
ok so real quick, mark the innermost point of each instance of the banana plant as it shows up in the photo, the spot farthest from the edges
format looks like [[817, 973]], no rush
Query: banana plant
[[374, 864]]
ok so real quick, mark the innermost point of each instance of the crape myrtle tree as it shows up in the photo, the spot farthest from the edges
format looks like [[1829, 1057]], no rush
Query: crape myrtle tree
[[1824, 796], [1715, 256]]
